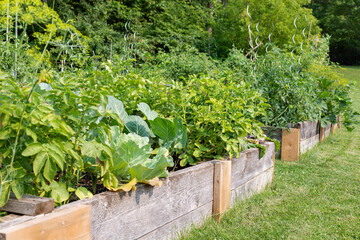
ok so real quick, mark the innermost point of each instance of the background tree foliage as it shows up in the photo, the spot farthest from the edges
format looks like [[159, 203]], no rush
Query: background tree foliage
[[341, 20], [211, 26]]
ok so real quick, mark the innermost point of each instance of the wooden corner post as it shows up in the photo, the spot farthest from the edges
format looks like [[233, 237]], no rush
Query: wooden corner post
[[333, 127], [222, 188], [322, 134], [290, 149]]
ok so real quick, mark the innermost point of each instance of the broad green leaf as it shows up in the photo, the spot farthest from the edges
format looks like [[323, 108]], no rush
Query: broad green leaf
[[39, 162], [129, 153], [164, 129], [136, 124], [151, 168], [50, 170], [110, 181], [30, 133], [83, 193], [59, 192], [118, 107], [94, 149], [18, 171], [140, 141], [145, 109], [5, 133], [18, 189], [124, 187], [57, 155], [4, 193], [32, 149]]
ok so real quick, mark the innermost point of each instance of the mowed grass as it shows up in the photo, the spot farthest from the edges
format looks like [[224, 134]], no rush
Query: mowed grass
[[317, 197]]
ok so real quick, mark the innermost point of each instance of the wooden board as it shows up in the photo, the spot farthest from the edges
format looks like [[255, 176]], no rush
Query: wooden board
[[71, 223], [339, 122], [248, 165], [308, 129], [9, 217], [333, 128], [152, 209], [172, 229], [255, 185], [322, 134], [309, 143], [222, 188], [290, 145], [28, 205]]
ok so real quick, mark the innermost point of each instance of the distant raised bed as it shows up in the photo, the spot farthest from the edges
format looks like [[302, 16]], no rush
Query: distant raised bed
[[299, 139], [186, 197]]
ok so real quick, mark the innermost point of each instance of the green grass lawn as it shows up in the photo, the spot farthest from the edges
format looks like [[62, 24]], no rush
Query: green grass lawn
[[317, 197]]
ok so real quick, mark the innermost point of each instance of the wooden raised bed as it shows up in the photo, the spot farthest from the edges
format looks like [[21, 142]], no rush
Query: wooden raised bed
[[299, 139], [187, 196], [309, 135]]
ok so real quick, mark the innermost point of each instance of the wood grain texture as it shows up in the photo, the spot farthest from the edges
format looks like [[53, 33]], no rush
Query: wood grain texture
[[255, 185], [9, 217], [322, 134], [222, 188], [333, 128], [309, 143], [71, 223], [248, 165], [172, 229], [133, 215], [28, 205], [308, 129], [290, 145]]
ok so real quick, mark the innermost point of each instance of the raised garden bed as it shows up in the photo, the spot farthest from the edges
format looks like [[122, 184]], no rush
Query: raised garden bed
[[187, 196], [299, 139]]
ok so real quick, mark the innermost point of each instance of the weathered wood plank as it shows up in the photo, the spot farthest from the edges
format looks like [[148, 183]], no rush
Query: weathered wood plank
[[172, 229], [339, 122], [255, 185], [28, 205], [333, 128], [71, 223], [248, 165], [222, 188], [308, 129], [309, 143], [121, 215], [9, 217], [322, 134], [290, 145]]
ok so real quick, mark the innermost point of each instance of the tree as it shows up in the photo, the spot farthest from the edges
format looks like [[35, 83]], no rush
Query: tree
[[341, 20], [274, 16]]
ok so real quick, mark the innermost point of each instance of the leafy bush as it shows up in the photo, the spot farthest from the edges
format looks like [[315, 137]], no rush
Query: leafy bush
[[218, 112], [51, 135]]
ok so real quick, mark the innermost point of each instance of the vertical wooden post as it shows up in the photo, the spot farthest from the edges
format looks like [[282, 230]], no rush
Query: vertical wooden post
[[290, 148], [339, 122], [222, 188], [333, 127], [322, 134]]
